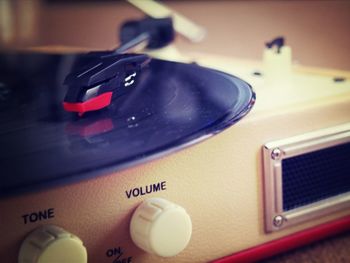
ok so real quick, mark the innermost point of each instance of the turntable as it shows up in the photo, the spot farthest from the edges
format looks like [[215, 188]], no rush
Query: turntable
[[186, 161]]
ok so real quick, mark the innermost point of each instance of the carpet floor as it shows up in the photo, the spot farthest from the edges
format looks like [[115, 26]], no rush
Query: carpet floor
[[335, 249]]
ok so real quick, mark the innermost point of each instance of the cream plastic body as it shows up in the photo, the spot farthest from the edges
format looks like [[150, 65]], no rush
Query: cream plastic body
[[218, 182]]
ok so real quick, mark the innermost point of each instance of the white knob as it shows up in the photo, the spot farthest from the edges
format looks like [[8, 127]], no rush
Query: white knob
[[161, 227], [51, 244]]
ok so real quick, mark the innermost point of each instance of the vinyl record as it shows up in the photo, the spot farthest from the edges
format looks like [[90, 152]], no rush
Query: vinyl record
[[173, 106]]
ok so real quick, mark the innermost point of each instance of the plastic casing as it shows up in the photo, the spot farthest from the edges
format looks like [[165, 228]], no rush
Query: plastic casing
[[218, 181]]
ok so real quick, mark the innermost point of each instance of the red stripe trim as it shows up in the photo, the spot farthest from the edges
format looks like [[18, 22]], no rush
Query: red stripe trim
[[96, 103], [289, 242]]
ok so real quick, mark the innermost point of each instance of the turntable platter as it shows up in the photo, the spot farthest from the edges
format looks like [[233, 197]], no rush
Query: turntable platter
[[174, 106]]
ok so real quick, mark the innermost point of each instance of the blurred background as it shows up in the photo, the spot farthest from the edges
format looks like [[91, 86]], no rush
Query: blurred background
[[317, 31]]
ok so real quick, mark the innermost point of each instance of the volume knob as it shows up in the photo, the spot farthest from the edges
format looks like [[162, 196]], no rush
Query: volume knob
[[161, 227], [49, 244]]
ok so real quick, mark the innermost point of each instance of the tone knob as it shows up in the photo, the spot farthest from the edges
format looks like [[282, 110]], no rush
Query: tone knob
[[161, 227], [48, 244]]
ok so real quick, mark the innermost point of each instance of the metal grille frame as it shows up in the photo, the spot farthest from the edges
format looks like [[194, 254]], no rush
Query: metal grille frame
[[276, 218]]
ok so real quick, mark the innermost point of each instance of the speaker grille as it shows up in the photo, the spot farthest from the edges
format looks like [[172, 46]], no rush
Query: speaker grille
[[315, 176], [306, 177]]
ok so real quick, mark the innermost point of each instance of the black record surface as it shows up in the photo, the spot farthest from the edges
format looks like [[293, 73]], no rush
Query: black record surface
[[173, 106]]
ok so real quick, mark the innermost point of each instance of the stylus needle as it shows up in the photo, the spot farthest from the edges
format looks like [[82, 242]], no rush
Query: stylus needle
[[182, 25]]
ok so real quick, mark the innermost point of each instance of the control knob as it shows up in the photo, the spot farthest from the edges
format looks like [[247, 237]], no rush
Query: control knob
[[161, 227], [49, 243]]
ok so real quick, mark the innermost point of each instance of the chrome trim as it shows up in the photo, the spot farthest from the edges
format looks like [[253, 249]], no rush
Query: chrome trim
[[291, 147]]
